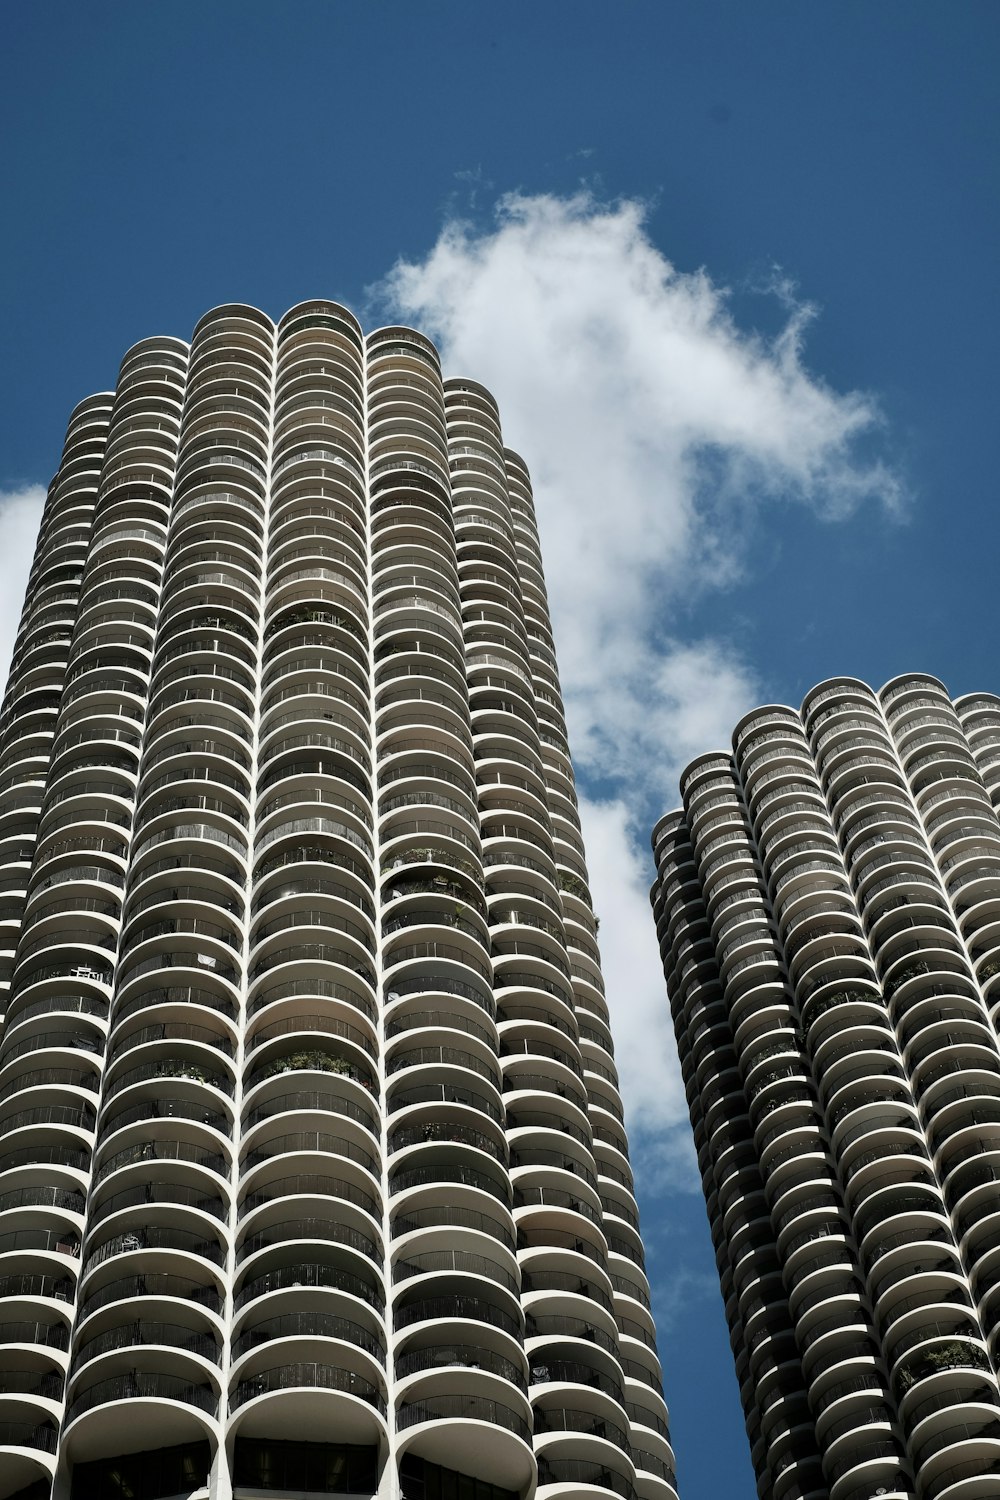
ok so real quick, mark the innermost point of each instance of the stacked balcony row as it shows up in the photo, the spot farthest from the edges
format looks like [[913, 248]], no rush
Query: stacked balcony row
[[827, 927], [309, 1112]]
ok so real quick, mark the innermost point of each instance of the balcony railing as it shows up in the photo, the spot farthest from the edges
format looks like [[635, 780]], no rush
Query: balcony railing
[[312, 1376], [466, 1408], [142, 1384]]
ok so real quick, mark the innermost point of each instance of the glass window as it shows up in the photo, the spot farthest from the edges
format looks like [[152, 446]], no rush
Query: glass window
[[151, 1475]]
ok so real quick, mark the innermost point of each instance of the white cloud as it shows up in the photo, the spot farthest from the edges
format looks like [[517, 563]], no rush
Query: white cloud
[[20, 514], [657, 433]]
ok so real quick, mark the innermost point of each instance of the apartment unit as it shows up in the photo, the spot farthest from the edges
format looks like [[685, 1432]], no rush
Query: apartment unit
[[828, 908], [313, 1176]]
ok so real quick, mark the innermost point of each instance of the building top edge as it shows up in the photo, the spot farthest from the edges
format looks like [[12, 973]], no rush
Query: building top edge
[[809, 702]]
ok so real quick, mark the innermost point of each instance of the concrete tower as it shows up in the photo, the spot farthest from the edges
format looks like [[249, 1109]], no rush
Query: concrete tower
[[313, 1177], [828, 906]]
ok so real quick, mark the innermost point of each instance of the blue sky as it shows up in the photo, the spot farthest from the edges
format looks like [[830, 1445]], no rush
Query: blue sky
[[740, 313]]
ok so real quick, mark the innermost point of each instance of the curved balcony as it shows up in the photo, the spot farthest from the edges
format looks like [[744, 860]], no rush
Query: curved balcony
[[165, 1407], [306, 1233], [311, 1149], [296, 1399], [576, 1363], [204, 1343], [484, 1305], [482, 1436], [280, 1182], [449, 1356], [302, 1328], [28, 1443], [583, 1477], [964, 1448], [321, 1089], [329, 1275], [163, 1289]]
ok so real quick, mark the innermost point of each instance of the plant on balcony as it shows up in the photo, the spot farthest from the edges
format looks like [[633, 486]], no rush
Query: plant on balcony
[[317, 1061], [954, 1356], [313, 1058], [190, 1070]]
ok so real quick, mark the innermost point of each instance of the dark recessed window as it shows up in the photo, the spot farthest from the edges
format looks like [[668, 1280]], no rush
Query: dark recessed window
[[152, 1475], [324, 1468], [426, 1481]]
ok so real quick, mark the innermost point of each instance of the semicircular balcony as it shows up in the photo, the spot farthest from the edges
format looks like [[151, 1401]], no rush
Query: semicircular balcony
[[317, 420], [319, 1088], [448, 1141], [340, 1168], [426, 723], [407, 461], [582, 1442], [561, 1364], [28, 1441], [310, 1020], [284, 1398], [318, 622], [439, 1224], [184, 1207], [449, 907], [949, 1342], [182, 832], [332, 524], [438, 1307], [409, 1013], [314, 856], [423, 693], [958, 1473], [323, 469], [405, 515], [329, 574], [184, 1052], [339, 1277], [335, 710], [484, 1434], [428, 1252], [932, 1410], [168, 1402], [311, 1226], [332, 901], [451, 1184], [428, 761], [330, 655], [34, 1339], [316, 960], [183, 1324], [330, 323], [930, 1021], [162, 1084], [539, 1059], [419, 1037], [320, 1324], [447, 893], [211, 764], [411, 426], [396, 566], [316, 399]]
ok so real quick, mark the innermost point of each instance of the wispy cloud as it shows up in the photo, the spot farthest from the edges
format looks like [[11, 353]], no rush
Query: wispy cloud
[[658, 434], [20, 514]]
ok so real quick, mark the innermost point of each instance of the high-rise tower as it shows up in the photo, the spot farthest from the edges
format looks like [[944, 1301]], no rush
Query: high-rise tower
[[828, 906], [313, 1177]]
